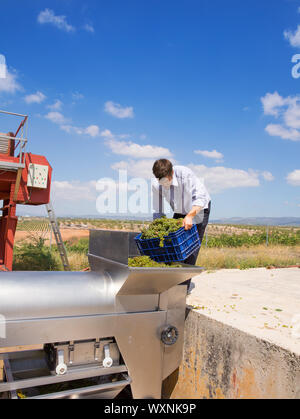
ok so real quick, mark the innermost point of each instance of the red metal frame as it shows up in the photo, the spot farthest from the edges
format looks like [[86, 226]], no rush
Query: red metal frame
[[8, 226], [21, 125], [25, 196]]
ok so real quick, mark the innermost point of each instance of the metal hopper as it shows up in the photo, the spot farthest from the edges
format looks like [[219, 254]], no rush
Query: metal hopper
[[115, 325]]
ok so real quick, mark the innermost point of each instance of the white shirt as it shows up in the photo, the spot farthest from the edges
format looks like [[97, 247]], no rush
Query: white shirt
[[186, 191]]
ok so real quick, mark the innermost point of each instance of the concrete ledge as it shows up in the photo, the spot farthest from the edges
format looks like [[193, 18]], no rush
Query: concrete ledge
[[238, 352]]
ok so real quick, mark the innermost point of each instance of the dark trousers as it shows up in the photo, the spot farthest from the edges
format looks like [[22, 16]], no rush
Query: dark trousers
[[192, 259]]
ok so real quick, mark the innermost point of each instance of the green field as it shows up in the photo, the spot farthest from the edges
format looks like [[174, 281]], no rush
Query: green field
[[227, 246], [284, 237]]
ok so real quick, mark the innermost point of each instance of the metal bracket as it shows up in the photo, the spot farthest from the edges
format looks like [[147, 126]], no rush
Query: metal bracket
[[61, 368], [107, 361], [97, 349], [71, 352]]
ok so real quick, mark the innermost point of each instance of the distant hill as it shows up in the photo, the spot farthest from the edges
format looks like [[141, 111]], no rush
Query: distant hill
[[272, 221]]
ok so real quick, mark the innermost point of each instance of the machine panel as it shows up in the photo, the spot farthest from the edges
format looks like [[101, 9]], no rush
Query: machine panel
[[38, 176]]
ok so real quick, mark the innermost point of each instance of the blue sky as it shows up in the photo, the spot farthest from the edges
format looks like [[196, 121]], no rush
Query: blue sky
[[116, 84]]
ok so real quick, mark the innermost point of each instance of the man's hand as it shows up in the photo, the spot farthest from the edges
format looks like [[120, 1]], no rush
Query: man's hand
[[188, 222]]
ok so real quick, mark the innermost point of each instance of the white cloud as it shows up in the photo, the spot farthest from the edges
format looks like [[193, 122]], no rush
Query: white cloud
[[272, 103], [118, 111], [77, 96], [65, 124], [89, 28], [293, 178], [74, 190], [218, 179], [136, 168], [48, 16], [107, 134], [268, 176], [210, 154], [276, 130], [137, 151], [9, 84], [3, 67], [57, 105], [92, 130], [56, 118], [293, 37], [292, 116], [37, 97], [288, 111]]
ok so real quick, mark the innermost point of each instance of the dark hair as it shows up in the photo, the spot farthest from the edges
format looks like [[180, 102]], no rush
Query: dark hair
[[162, 168]]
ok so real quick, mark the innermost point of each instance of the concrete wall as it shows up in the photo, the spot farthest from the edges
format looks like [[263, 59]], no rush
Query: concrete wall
[[220, 361]]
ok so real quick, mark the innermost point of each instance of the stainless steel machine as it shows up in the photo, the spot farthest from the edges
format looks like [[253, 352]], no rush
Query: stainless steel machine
[[98, 331]]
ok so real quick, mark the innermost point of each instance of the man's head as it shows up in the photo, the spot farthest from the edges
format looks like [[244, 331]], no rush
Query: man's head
[[163, 171], [163, 168]]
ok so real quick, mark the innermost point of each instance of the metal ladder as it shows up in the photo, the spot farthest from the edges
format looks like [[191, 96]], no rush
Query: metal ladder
[[58, 238]]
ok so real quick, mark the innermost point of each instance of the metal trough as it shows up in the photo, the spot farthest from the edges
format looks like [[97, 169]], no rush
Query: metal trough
[[99, 331]]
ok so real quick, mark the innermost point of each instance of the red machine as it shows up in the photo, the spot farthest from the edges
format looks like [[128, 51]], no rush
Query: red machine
[[25, 179]]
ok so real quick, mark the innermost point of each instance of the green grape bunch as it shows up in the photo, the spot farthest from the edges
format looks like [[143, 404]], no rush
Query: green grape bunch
[[160, 228], [147, 262]]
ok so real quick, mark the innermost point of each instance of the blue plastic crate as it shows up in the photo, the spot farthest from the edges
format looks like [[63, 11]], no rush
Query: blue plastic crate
[[178, 246]]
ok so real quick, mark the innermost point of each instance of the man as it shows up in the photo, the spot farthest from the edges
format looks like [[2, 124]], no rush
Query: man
[[187, 196]]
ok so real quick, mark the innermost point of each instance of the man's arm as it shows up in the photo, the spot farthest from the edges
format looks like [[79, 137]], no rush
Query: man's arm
[[199, 200], [188, 221]]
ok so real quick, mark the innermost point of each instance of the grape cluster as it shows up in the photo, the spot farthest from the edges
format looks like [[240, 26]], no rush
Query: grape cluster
[[160, 228], [147, 262]]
